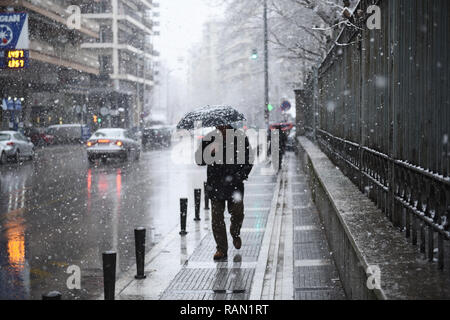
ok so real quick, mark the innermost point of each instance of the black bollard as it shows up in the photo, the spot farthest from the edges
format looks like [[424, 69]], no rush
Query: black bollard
[[53, 295], [206, 197], [197, 198], [109, 274], [183, 215], [139, 240]]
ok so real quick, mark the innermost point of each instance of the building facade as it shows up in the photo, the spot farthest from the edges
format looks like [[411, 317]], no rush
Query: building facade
[[55, 87], [103, 69], [126, 56]]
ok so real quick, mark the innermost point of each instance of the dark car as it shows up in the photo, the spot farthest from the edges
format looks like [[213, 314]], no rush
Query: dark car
[[39, 137], [69, 133], [157, 137]]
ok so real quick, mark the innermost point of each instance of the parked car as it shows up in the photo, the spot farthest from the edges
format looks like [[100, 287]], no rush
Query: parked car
[[39, 137], [4, 150], [157, 137], [69, 133], [15, 146], [113, 143]]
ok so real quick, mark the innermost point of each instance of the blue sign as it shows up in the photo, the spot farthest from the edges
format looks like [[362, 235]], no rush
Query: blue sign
[[18, 105], [14, 31], [10, 104], [285, 106], [14, 40]]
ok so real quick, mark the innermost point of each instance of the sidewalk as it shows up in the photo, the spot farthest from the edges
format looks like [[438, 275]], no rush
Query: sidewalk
[[284, 253]]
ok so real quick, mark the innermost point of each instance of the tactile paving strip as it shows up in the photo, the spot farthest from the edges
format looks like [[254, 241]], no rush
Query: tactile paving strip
[[311, 251], [301, 188], [255, 223], [209, 283], [311, 236], [319, 295], [305, 220], [317, 283], [251, 242], [315, 275]]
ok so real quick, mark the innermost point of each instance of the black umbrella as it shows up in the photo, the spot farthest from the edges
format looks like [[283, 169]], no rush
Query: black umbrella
[[211, 116]]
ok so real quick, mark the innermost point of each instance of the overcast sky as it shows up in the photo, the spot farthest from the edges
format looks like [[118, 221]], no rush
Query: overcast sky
[[181, 27]]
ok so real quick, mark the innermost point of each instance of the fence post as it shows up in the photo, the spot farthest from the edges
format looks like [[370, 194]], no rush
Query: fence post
[[197, 200], [206, 196], [183, 216], [109, 274], [139, 239]]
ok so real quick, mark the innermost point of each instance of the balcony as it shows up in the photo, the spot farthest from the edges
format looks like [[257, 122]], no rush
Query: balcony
[[68, 56], [107, 46], [55, 11]]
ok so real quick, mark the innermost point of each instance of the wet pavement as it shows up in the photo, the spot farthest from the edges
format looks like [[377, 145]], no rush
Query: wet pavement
[[315, 276], [190, 272], [284, 254], [59, 211]]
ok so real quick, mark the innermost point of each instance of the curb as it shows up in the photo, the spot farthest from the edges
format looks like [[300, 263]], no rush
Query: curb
[[258, 279]]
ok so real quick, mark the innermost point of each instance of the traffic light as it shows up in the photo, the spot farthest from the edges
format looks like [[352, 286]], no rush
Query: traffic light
[[270, 107], [99, 120], [95, 119], [254, 54]]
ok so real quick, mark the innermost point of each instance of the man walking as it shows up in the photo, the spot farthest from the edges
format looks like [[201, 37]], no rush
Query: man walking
[[229, 158]]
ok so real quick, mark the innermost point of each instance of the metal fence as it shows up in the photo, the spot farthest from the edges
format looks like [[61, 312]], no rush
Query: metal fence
[[379, 106]]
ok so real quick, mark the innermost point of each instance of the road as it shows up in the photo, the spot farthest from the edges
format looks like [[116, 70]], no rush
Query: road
[[59, 211]]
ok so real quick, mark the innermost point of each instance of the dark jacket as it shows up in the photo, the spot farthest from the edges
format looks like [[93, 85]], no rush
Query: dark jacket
[[224, 180]]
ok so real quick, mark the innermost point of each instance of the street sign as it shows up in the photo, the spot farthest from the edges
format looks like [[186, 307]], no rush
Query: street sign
[[16, 59], [104, 111], [18, 105], [14, 31], [10, 104], [14, 40], [285, 106]]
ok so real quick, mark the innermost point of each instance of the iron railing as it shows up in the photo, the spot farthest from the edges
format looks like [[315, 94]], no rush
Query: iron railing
[[415, 200], [379, 106]]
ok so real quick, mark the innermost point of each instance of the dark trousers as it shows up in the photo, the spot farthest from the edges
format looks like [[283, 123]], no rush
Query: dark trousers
[[236, 209]]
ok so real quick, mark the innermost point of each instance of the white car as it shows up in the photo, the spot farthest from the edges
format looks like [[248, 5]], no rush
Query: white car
[[113, 143], [14, 145]]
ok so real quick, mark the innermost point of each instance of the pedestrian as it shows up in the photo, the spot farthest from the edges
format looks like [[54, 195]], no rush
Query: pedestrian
[[227, 169], [282, 147]]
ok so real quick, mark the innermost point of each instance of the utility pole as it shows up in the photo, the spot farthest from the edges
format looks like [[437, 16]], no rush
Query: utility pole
[[266, 67]]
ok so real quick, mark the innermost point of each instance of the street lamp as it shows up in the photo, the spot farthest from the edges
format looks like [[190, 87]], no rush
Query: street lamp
[[266, 67]]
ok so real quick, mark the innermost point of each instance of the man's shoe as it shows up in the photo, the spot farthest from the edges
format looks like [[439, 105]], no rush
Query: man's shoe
[[237, 242], [220, 256]]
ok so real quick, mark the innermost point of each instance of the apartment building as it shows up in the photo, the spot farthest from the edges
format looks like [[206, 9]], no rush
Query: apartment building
[[242, 77], [126, 55], [105, 68], [55, 87], [222, 70], [203, 68]]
